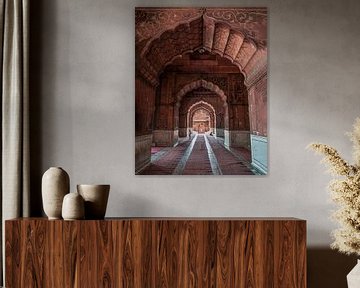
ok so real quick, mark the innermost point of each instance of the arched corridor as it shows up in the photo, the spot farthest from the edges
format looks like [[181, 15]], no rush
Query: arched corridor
[[200, 73], [202, 154]]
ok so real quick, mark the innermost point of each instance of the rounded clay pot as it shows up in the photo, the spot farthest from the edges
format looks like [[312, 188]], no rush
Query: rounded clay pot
[[55, 185], [96, 198], [73, 207]]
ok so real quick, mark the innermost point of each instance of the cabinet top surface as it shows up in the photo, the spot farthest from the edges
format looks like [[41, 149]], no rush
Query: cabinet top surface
[[174, 219]]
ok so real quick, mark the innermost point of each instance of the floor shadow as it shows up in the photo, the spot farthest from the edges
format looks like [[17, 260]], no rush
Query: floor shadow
[[328, 268]]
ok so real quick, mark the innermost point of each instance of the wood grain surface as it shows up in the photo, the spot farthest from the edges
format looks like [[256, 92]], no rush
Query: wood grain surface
[[172, 253]]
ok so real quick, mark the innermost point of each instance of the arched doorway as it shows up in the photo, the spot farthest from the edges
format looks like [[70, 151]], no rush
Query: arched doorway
[[191, 97], [201, 118], [200, 121]]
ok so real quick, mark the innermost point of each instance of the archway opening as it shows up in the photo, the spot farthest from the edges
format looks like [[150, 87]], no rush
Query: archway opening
[[206, 95], [200, 121], [200, 118]]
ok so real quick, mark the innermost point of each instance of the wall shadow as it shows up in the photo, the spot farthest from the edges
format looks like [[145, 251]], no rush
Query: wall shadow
[[140, 207], [35, 64], [327, 268]]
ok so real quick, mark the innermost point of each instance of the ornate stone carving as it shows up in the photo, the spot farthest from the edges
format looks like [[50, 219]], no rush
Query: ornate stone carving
[[237, 90], [186, 37], [201, 93], [220, 38], [163, 115], [151, 22], [208, 34], [163, 34], [147, 71], [221, 82], [250, 21], [257, 67], [246, 51], [200, 83], [234, 44]]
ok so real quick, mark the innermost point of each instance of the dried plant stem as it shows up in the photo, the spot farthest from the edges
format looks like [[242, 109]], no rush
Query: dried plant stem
[[345, 192]]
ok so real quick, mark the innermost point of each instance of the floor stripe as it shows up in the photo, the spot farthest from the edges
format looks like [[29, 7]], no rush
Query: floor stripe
[[198, 162], [229, 164], [213, 161], [181, 165], [160, 154], [166, 164]]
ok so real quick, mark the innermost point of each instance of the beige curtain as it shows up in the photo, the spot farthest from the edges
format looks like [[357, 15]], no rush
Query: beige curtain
[[14, 25]]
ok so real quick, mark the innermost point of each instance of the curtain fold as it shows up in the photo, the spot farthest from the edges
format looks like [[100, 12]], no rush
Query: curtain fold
[[15, 162]]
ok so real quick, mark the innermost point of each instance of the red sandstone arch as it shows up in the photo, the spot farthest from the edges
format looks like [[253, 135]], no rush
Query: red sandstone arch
[[202, 84], [217, 32], [202, 105]]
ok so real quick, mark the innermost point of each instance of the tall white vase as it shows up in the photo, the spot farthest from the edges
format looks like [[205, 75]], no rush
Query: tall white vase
[[55, 185], [353, 278]]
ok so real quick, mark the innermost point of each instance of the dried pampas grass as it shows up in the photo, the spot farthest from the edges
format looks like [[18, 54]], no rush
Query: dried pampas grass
[[345, 192]]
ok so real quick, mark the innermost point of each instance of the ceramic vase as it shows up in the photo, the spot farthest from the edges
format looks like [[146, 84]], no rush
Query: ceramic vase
[[96, 198], [353, 278], [55, 185], [73, 207]]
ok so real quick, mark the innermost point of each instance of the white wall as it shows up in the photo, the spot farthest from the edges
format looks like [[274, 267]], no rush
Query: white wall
[[86, 90]]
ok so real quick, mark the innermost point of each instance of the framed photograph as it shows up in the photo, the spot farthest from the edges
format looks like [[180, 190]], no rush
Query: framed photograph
[[201, 91]]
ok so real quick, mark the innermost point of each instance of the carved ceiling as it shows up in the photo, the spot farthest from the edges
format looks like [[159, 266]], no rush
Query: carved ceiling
[[152, 22], [237, 34]]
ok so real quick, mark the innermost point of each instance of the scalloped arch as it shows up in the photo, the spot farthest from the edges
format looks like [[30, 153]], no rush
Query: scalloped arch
[[218, 31], [201, 105], [200, 84]]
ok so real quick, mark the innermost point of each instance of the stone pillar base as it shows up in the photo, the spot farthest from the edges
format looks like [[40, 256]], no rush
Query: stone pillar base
[[165, 138], [227, 138], [220, 132], [183, 132], [238, 138], [142, 152], [259, 155]]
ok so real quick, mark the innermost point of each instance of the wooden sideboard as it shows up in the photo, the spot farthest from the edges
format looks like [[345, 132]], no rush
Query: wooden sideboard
[[156, 252]]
